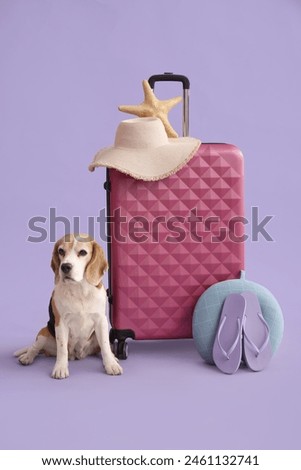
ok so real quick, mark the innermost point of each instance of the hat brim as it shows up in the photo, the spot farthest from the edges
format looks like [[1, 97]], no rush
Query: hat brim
[[149, 164]]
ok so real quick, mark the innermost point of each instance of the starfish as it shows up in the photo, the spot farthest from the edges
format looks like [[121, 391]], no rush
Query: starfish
[[153, 107]]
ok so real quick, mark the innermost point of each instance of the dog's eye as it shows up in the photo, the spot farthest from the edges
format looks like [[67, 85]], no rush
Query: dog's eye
[[61, 252], [82, 253]]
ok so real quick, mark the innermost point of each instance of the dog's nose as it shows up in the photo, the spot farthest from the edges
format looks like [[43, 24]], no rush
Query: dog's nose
[[66, 268]]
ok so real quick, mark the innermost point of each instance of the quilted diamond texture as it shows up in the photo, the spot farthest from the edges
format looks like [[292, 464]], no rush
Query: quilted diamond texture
[[157, 281]]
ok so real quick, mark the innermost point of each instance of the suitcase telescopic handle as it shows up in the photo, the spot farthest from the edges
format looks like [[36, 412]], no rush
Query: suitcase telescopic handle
[[172, 77]]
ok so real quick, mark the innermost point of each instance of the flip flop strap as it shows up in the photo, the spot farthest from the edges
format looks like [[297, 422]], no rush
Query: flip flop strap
[[267, 339], [228, 353]]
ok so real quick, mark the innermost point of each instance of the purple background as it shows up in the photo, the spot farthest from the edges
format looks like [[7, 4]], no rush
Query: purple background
[[65, 66]]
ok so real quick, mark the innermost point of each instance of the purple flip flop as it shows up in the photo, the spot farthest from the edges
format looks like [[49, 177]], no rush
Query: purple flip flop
[[257, 350], [227, 348]]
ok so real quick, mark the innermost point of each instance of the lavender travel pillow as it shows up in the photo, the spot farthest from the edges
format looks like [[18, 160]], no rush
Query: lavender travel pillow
[[208, 309]]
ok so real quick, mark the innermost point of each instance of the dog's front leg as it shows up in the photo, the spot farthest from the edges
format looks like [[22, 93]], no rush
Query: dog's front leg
[[60, 370], [102, 334]]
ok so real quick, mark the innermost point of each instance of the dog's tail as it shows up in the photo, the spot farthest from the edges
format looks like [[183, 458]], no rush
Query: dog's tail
[[21, 351]]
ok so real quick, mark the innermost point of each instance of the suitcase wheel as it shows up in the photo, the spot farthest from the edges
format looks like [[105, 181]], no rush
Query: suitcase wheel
[[121, 349], [118, 342]]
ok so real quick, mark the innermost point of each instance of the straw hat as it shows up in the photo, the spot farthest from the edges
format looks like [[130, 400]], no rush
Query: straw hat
[[143, 150]]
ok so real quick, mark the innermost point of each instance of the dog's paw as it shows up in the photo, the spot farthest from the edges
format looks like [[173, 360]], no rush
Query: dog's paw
[[26, 359], [112, 367], [60, 372]]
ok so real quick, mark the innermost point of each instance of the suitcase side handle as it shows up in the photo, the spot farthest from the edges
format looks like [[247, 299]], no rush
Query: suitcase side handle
[[172, 77]]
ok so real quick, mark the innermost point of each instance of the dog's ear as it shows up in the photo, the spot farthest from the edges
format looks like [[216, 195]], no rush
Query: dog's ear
[[55, 261], [97, 265]]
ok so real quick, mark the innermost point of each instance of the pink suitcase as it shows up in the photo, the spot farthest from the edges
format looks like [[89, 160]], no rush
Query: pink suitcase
[[181, 235]]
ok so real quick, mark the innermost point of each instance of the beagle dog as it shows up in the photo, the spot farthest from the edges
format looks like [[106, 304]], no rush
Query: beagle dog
[[78, 325]]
